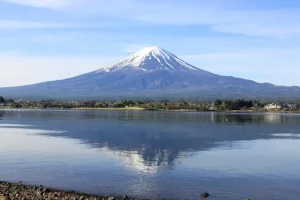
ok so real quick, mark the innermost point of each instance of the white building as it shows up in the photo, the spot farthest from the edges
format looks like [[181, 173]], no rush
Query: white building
[[272, 106]]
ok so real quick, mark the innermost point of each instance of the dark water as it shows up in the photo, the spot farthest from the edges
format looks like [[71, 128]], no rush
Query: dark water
[[157, 155]]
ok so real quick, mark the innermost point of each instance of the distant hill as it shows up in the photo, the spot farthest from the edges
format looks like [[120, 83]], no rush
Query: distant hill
[[151, 73]]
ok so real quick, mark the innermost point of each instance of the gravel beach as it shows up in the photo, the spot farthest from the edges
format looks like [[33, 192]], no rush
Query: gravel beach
[[13, 191]]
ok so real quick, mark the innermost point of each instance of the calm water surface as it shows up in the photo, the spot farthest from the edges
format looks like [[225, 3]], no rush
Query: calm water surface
[[159, 155]]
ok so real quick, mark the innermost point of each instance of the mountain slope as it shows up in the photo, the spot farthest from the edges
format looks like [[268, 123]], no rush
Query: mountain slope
[[152, 72]]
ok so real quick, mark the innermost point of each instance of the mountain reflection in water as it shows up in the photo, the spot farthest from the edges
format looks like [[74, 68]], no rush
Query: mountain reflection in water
[[151, 141]]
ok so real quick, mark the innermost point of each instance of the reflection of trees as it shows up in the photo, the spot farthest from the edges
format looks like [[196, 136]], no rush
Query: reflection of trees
[[266, 118], [239, 118], [1, 114], [176, 117], [159, 139], [275, 118]]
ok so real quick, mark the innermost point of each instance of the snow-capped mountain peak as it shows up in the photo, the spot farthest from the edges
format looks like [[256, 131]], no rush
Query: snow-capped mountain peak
[[151, 59], [148, 51], [152, 73]]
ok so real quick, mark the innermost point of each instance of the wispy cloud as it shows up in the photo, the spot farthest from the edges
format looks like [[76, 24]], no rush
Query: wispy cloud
[[40, 3], [216, 15]]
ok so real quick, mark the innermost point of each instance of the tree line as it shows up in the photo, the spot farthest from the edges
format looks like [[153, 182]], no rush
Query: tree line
[[181, 104], [5, 101]]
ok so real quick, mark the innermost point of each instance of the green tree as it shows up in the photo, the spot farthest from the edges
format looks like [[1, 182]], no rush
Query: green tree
[[218, 102], [2, 100]]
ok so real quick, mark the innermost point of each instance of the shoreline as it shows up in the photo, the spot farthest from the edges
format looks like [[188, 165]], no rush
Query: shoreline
[[16, 191], [161, 110], [120, 109]]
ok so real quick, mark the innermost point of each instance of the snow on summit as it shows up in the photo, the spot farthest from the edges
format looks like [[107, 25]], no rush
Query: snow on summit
[[151, 59]]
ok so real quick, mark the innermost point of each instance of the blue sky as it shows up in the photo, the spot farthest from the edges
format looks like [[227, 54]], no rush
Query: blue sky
[[44, 40]]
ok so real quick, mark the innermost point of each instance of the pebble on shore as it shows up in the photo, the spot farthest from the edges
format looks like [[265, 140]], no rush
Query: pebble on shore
[[3, 197], [205, 195], [11, 191]]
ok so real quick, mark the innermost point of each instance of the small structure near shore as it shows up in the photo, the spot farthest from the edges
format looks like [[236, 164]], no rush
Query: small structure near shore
[[272, 106]]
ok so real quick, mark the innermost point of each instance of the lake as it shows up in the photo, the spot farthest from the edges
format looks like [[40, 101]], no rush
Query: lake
[[158, 155]]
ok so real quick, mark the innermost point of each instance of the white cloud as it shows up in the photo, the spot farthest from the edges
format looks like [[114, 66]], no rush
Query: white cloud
[[17, 69]]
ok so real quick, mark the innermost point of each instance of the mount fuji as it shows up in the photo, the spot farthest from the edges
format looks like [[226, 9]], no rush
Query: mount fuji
[[155, 73]]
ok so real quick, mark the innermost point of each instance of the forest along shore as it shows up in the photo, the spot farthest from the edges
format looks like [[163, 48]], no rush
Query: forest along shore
[[238, 105], [19, 191], [162, 110]]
